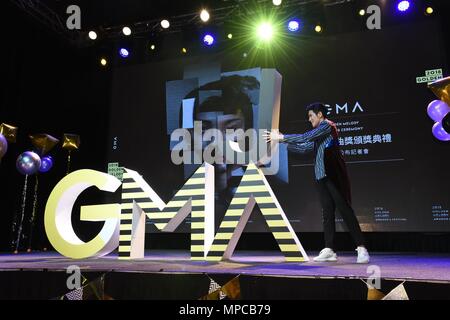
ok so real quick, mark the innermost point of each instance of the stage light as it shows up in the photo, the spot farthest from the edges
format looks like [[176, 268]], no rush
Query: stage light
[[293, 25], [429, 11], [92, 35], [403, 5], [124, 53], [362, 12], [126, 31], [103, 62], [277, 2], [184, 50], [265, 32], [318, 28], [208, 40], [230, 36], [204, 15], [152, 47], [165, 24]]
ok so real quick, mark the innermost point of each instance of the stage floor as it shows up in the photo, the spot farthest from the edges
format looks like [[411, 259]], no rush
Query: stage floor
[[393, 266]]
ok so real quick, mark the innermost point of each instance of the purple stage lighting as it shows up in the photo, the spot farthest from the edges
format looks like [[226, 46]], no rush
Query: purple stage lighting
[[293, 25], [208, 40], [124, 53], [403, 5]]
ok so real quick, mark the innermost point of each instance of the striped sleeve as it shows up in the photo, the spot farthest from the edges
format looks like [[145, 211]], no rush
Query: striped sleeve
[[301, 148], [323, 130]]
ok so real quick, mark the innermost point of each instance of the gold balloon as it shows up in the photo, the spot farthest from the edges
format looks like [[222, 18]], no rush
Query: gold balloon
[[71, 142], [441, 89], [9, 132], [43, 142]]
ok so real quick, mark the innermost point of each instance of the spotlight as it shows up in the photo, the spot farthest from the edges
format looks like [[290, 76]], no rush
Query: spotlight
[[184, 50], [92, 35], [230, 36], [126, 31], [165, 24], [429, 11], [208, 40], [152, 47], [265, 32], [293, 25], [124, 53], [362, 12], [403, 5], [318, 28], [204, 15], [277, 2], [103, 62]]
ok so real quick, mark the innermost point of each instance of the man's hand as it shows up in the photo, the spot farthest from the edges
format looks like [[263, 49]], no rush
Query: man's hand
[[272, 136]]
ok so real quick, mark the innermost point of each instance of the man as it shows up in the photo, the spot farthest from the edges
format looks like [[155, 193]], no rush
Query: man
[[331, 175]]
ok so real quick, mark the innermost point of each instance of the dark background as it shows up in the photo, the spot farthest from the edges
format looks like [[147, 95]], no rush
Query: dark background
[[50, 86], [376, 69]]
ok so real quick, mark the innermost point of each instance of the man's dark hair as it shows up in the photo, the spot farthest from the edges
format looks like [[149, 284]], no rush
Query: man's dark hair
[[318, 107], [233, 99]]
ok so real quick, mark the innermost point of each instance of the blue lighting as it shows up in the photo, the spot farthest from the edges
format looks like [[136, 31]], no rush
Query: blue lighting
[[403, 5], [208, 40], [124, 53], [293, 25]]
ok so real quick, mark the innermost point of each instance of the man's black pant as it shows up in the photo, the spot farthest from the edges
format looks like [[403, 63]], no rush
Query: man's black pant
[[331, 199]]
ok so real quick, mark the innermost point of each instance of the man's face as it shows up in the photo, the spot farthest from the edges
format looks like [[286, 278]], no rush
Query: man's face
[[221, 122], [314, 119]]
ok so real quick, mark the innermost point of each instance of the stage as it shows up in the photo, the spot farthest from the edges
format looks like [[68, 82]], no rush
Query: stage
[[263, 275]]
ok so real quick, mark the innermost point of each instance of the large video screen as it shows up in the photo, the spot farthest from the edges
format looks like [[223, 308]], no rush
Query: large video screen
[[375, 85]]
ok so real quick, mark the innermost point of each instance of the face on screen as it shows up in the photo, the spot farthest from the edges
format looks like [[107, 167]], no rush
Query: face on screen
[[221, 122]]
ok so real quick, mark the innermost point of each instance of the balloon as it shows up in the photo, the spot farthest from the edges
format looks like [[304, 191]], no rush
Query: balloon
[[43, 142], [437, 110], [10, 132], [28, 163], [3, 146], [71, 142], [440, 133], [46, 164], [441, 89]]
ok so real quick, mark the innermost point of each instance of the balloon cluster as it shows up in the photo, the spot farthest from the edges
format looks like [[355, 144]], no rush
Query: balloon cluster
[[439, 110], [30, 163]]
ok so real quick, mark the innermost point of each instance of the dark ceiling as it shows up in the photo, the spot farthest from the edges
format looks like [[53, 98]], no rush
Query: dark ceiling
[[114, 12], [109, 16]]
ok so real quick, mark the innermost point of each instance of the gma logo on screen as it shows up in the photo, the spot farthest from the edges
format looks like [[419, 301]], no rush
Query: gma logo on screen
[[124, 223]]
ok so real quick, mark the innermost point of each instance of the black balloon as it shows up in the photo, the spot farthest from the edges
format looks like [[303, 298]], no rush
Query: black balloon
[[446, 123]]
